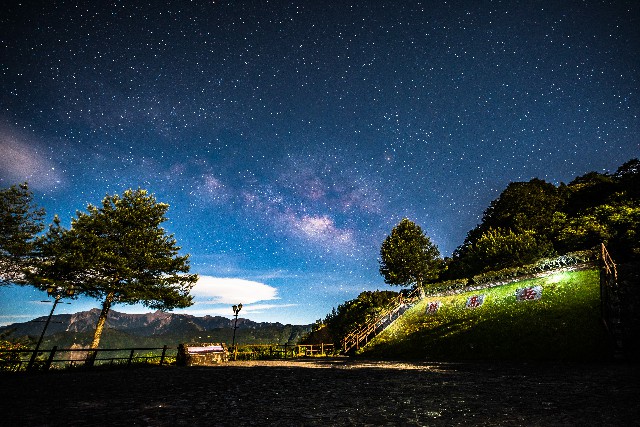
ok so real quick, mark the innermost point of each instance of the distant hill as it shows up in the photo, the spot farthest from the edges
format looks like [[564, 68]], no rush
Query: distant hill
[[153, 328]]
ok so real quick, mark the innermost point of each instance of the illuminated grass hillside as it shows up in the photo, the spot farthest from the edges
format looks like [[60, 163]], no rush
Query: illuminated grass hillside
[[564, 324]]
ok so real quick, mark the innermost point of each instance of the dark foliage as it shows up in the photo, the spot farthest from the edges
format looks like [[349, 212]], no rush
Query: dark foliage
[[118, 253], [20, 222], [536, 219], [408, 257], [349, 316]]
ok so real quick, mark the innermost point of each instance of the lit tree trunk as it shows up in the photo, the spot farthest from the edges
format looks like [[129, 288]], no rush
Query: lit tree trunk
[[420, 288], [106, 305]]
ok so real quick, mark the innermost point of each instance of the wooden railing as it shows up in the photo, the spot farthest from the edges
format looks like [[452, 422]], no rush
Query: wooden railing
[[362, 334], [607, 263], [610, 298], [17, 360], [282, 351]]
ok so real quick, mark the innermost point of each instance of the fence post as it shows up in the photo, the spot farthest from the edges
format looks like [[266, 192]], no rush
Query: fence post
[[91, 358], [164, 351], [50, 359], [130, 357]]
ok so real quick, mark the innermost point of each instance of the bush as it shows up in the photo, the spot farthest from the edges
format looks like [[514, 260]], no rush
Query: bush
[[10, 357], [513, 273]]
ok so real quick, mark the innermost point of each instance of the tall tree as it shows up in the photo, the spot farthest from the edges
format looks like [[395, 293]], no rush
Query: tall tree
[[119, 254], [520, 216], [20, 222], [588, 190], [499, 248], [523, 206], [408, 257]]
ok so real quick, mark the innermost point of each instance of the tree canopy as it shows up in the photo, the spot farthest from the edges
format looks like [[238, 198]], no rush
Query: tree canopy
[[119, 254], [534, 219], [408, 257], [20, 222]]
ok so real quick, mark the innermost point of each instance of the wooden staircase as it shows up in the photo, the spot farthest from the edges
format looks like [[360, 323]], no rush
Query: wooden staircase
[[363, 334]]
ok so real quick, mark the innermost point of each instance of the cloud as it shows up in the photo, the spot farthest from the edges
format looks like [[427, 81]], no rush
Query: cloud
[[10, 319], [225, 311], [222, 290], [22, 160]]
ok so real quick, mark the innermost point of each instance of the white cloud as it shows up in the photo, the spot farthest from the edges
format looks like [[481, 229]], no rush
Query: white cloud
[[260, 308], [225, 311], [14, 318], [224, 290], [22, 160]]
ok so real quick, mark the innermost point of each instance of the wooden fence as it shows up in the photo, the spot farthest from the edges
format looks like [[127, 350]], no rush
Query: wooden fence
[[17, 360], [281, 351], [610, 305]]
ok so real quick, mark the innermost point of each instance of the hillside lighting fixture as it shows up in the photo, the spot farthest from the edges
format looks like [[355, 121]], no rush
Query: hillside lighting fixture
[[57, 292], [236, 310]]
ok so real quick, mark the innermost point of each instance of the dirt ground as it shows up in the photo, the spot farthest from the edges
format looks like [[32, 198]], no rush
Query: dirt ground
[[329, 392]]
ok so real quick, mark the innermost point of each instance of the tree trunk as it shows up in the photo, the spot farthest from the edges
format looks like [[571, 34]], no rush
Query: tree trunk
[[420, 289], [106, 305]]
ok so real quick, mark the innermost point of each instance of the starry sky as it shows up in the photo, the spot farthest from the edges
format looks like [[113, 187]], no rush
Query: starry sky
[[289, 137]]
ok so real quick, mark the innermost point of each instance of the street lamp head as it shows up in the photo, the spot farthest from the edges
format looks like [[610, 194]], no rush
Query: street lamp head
[[59, 291], [236, 309]]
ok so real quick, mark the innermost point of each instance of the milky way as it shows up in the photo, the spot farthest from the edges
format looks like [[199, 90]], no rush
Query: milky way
[[290, 137]]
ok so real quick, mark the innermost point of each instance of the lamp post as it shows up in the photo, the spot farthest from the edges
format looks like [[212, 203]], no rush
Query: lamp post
[[57, 292], [236, 310]]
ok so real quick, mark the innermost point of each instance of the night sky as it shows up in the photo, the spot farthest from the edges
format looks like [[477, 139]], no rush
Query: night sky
[[289, 137]]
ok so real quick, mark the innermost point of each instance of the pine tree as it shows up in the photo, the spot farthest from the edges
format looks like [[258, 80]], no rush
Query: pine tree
[[408, 257], [20, 222], [118, 254]]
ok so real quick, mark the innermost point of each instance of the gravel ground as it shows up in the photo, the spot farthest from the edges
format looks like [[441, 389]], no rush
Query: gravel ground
[[330, 392]]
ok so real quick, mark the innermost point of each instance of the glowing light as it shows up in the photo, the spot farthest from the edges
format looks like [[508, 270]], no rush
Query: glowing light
[[557, 277]]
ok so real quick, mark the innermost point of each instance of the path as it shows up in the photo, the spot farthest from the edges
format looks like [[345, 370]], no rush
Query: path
[[333, 392]]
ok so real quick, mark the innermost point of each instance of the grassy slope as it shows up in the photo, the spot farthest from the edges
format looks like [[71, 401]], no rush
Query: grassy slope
[[563, 325]]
